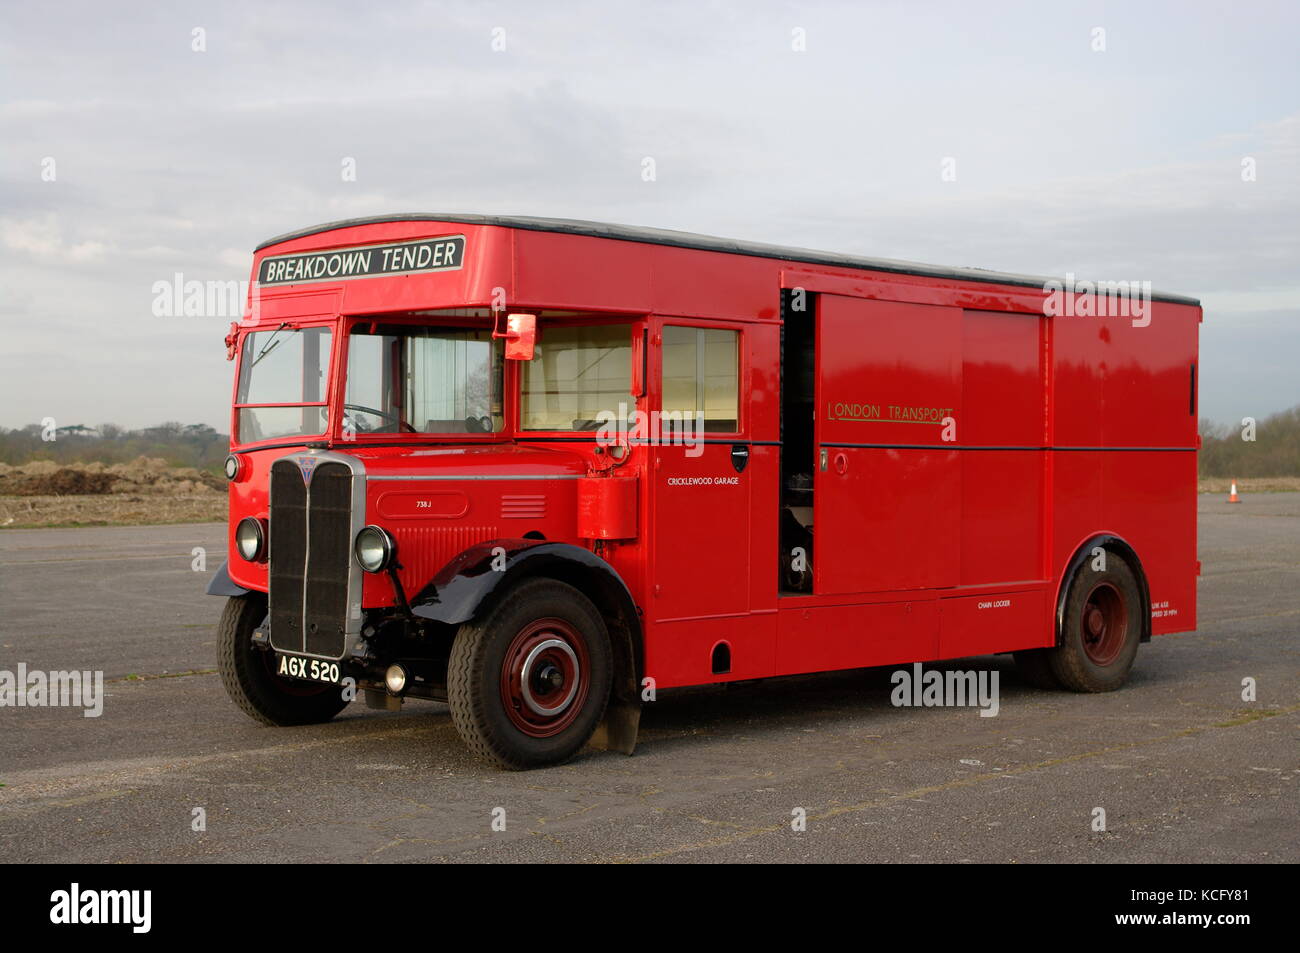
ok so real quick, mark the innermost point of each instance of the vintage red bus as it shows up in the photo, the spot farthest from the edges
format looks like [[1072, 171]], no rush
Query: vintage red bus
[[541, 469]]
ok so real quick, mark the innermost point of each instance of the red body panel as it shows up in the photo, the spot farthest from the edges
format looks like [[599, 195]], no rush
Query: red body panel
[[607, 508], [928, 545]]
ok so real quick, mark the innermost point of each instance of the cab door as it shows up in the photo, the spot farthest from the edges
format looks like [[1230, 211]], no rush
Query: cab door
[[702, 487], [702, 503], [887, 479]]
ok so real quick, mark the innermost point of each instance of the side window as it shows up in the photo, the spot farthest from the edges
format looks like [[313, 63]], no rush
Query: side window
[[701, 375], [576, 374]]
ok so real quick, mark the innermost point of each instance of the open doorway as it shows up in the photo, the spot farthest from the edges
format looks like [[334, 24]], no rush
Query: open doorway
[[798, 412]]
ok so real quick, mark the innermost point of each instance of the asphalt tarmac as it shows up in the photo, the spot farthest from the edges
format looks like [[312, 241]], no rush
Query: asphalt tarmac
[[1184, 769]]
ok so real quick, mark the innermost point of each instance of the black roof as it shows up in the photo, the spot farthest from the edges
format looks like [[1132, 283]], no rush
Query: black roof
[[664, 236]]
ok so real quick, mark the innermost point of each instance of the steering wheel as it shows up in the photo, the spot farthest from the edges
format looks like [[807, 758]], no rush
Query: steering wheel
[[393, 419]]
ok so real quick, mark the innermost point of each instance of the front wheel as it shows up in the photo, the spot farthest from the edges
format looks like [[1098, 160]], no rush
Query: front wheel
[[250, 679], [528, 683]]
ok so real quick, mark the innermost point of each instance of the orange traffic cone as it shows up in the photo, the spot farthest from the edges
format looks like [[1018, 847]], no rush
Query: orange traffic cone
[[1232, 497]]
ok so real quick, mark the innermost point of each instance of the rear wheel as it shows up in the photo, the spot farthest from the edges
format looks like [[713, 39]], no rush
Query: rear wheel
[[249, 676], [1102, 627], [528, 684]]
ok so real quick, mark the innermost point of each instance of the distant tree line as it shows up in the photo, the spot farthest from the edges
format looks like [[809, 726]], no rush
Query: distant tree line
[[1225, 451], [181, 445], [1228, 451]]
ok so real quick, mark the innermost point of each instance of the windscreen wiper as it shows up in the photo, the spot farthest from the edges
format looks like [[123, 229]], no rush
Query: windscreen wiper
[[269, 345]]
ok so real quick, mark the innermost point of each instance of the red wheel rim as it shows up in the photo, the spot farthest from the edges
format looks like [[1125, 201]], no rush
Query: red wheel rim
[[1104, 624], [545, 677]]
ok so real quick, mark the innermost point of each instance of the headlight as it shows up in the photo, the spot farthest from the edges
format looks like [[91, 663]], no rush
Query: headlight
[[395, 679], [250, 539], [234, 467], [374, 549]]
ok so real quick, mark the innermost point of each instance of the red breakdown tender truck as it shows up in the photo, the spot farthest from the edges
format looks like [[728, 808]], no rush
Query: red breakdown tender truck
[[541, 469]]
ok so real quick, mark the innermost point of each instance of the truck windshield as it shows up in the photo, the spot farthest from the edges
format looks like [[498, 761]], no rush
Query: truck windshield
[[409, 379], [282, 383]]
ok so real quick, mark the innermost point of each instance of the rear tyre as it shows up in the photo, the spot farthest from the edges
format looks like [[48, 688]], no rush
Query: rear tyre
[[528, 683], [1102, 627], [250, 680]]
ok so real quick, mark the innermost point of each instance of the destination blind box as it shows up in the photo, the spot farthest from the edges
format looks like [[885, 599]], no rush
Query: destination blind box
[[365, 261]]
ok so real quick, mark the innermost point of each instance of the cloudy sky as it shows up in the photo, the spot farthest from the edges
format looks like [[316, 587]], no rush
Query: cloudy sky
[[1123, 163]]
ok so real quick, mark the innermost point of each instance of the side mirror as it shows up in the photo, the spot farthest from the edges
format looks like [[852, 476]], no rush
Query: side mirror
[[521, 336]]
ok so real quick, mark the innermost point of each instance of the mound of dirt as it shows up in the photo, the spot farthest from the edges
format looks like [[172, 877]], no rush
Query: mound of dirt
[[147, 475], [65, 481]]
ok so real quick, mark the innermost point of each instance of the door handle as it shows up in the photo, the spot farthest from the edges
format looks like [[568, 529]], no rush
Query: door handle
[[841, 462]]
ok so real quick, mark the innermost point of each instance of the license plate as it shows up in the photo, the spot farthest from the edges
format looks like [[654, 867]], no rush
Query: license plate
[[307, 669]]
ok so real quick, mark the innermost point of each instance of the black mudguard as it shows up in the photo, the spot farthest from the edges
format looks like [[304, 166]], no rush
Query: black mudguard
[[459, 588], [222, 585], [1081, 556]]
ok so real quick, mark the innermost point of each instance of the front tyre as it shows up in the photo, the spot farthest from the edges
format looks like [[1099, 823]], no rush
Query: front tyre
[[1102, 628], [528, 683], [250, 679]]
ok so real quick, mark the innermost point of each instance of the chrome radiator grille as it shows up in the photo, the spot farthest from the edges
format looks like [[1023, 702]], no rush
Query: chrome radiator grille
[[311, 573]]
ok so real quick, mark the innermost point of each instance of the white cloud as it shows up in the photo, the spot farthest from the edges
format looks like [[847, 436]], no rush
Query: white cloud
[[1123, 164], [43, 238]]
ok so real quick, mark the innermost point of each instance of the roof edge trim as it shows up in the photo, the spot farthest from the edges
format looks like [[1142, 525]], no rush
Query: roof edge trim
[[664, 236]]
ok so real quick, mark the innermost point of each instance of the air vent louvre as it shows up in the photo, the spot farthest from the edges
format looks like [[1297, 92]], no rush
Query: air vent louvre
[[519, 506]]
